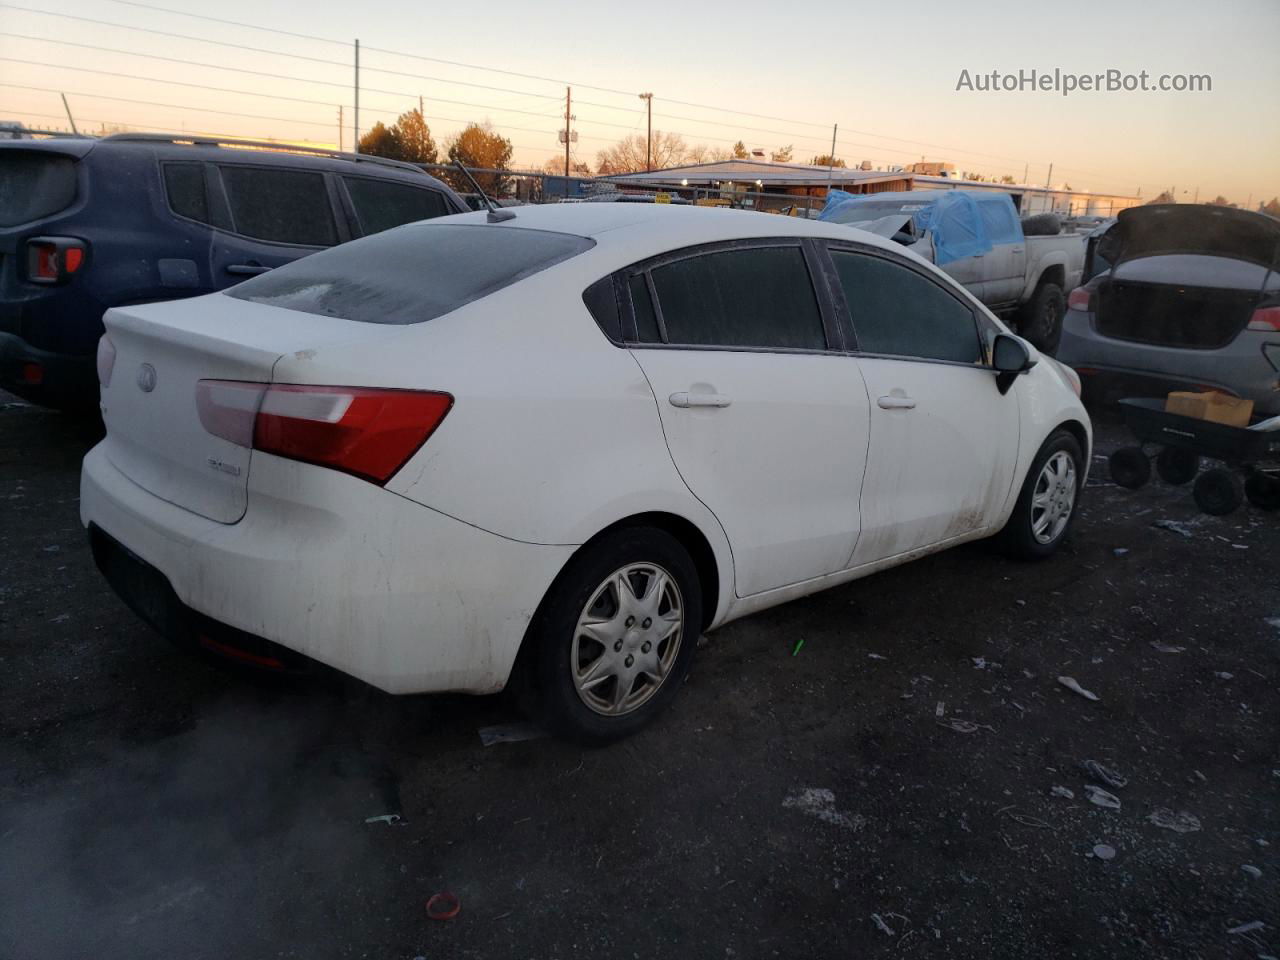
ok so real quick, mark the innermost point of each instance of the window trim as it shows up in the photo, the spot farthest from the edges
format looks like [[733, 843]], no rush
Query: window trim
[[832, 333], [349, 205], [341, 229], [209, 204], [845, 314]]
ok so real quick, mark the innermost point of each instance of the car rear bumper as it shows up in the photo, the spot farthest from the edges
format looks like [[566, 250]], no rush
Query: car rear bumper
[[386, 590], [1241, 367], [44, 377]]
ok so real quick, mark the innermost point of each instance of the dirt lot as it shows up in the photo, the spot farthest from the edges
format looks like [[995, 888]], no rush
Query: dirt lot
[[821, 804]]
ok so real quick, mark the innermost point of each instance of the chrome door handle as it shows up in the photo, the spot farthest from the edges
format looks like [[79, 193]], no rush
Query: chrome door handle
[[896, 403], [699, 400]]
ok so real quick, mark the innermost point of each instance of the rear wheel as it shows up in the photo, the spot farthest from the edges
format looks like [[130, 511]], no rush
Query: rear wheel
[[1177, 466], [1218, 492], [1129, 467], [612, 642], [1046, 505], [1041, 321], [1263, 491]]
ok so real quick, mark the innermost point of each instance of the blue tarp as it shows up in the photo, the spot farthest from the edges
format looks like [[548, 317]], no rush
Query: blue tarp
[[963, 223]]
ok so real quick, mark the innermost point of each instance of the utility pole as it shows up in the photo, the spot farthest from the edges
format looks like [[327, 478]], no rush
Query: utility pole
[[67, 108], [1196, 197], [568, 104], [355, 124], [1049, 180], [648, 143], [1026, 169], [421, 111], [831, 157], [339, 128]]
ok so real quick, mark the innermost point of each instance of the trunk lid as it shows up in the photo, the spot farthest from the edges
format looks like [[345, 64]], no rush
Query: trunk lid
[[1198, 229], [154, 432]]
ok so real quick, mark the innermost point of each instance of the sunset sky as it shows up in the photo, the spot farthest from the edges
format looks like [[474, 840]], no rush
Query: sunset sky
[[886, 74]]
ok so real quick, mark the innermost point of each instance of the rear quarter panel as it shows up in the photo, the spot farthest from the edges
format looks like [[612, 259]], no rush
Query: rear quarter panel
[[554, 434]]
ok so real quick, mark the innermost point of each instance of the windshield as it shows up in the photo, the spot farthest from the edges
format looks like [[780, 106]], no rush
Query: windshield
[[412, 273]]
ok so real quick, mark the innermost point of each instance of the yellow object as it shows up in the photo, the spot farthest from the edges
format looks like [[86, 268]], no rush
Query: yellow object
[[1212, 406]]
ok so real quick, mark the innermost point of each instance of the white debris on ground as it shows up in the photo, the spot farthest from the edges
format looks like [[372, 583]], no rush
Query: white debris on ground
[[1063, 792], [820, 802], [1102, 798], [1181, 822], [1071, 684]]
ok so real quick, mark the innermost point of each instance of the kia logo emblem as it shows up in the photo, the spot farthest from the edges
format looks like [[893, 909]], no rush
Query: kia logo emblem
[[147, 378]]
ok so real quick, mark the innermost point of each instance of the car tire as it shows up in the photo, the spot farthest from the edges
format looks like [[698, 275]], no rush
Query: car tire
[[1047, 502], [1129, 468], [1176, 466], [1263, 491], [598, 628], [1218, 492], [1041, 320]]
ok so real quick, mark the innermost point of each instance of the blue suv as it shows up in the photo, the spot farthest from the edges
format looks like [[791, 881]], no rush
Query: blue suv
[[87, 224]]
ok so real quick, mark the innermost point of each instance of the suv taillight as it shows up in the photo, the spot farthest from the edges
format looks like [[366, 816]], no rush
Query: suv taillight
[[369, 433], [1081, 298], [1265, 318], [54, 259]]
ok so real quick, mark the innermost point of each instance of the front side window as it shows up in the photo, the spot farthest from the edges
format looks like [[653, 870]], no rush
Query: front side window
[[758, 297], [383, 204], [280, 206], [898, 312]]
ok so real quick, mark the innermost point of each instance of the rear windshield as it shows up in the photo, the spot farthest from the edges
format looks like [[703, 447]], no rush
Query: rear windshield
[[34, 184], [412, 273]]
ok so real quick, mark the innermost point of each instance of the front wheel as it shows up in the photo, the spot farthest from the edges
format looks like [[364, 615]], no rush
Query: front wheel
[[1218, 492], [613, 639], [1046, 505], [1263, 491]]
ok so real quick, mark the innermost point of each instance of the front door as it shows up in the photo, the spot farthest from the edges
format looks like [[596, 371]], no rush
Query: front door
[[943, 440], [765, 420]]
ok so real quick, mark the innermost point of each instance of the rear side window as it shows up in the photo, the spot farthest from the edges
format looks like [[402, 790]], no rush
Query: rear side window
[[898, 312], [757, 297], [282, 206], [412, 273], [184, 185], [382, 204], [34, 184], [602, 302]]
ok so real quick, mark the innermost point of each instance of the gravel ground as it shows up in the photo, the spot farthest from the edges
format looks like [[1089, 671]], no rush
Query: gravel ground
[[897, 787]]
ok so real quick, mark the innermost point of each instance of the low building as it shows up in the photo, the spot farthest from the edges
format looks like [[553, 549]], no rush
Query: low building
[[762, 185]]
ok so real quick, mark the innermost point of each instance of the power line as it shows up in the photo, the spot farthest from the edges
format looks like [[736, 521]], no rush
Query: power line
[[274, 53]]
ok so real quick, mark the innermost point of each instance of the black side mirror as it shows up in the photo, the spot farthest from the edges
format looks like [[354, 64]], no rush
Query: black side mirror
[[1010, 357]]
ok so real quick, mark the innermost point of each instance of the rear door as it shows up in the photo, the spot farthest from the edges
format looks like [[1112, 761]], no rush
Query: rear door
[[765, 419], [277, 214], [943, 441]]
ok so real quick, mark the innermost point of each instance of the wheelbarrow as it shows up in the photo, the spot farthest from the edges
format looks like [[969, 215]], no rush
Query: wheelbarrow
[[1250, 458]]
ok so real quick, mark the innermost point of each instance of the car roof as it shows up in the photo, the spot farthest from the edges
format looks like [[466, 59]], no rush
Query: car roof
[[216, 150], [618, 223]]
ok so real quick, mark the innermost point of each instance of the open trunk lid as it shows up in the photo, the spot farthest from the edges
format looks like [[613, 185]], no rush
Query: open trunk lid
[[154, 431], [1200, 229]]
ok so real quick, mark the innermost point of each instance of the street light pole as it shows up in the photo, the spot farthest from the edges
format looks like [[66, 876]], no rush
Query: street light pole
[[648, 142]]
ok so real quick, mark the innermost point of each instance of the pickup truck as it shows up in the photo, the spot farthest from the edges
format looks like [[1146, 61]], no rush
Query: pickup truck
[[977, 238]]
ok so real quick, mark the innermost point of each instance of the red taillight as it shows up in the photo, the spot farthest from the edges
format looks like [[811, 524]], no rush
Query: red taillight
[[1081, 298], [369, 433], [106, 359], [1265, 318], [32, 374], [53, 259]]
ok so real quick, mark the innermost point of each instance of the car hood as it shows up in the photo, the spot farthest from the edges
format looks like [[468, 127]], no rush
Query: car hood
[[1171, 228]]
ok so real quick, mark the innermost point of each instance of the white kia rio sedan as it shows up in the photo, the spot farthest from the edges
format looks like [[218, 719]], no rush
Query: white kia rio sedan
[[553, 450]]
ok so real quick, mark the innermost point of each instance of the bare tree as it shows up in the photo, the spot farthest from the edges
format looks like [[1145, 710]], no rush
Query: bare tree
[[628, 154], [782, 154]]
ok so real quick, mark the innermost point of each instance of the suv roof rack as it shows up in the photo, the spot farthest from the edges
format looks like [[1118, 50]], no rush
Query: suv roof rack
[[207, 141]]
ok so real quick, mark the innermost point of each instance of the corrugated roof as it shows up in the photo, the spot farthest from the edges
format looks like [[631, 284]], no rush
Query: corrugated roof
[[799, 174]]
